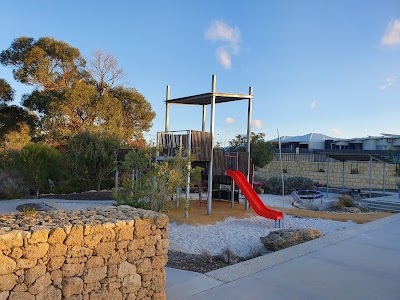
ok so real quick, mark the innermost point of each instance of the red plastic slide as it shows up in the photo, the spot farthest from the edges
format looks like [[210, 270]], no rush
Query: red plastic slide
[[251, 196]]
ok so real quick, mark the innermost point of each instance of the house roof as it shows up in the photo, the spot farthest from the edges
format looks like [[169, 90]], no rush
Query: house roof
[[303, 139]]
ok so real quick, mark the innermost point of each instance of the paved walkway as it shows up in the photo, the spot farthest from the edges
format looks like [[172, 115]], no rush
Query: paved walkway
[[363, 263]]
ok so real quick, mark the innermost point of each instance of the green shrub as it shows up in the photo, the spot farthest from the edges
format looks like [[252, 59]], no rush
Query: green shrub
[[274, 184], [37, 163], [258, 190], [345, 201]]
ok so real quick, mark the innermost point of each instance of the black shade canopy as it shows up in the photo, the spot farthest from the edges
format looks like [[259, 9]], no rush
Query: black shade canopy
[[206, 99], [356, 156]]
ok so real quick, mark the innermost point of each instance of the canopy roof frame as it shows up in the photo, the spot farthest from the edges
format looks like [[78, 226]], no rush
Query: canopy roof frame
[[344, 157]]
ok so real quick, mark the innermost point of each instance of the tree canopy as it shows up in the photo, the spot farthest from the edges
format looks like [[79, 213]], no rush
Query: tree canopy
[[261, 152], [70, 97], [16, 123]]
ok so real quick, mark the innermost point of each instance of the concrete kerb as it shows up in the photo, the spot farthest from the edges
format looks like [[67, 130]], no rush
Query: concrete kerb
[[258, 264]]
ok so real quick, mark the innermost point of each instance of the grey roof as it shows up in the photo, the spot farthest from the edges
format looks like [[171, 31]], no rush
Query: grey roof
[[304, 139]]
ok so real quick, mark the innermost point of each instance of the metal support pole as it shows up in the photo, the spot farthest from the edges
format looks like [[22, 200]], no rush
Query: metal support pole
[[210, 165], [167, 97], [203, 124], [232, 194], [342, 176], [116, 178], [249, 114], [188, 147], [370, 176], [327, 176], [384, 178]]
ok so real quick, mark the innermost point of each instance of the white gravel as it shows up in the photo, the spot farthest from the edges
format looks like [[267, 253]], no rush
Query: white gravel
[[240, 235], [243, 235]]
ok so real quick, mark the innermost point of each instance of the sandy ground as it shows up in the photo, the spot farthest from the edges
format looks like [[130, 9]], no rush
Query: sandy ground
[[222, 210]]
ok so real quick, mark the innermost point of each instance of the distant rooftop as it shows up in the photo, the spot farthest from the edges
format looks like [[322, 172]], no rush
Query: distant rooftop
[[303, 139]]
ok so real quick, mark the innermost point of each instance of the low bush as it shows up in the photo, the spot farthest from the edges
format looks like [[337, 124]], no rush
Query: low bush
[[274, 184], [345, 201], [11, 187]]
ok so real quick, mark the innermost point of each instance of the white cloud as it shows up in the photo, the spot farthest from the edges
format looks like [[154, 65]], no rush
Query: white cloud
[[229, 120], [230, 36], [336, 131], [392, 34], [224, 58], [313, 104], [389, 82], [257, 124]]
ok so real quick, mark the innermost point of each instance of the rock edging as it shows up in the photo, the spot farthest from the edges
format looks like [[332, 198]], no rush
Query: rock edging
[[103, 252]]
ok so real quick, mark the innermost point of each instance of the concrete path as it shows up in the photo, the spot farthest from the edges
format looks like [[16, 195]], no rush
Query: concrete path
[[9, 206], [363, 263]]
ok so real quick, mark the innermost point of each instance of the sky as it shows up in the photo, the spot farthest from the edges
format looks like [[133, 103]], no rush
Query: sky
[[330, 67]]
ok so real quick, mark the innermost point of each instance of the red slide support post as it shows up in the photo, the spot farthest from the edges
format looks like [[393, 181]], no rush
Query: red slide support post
[[254, 200]]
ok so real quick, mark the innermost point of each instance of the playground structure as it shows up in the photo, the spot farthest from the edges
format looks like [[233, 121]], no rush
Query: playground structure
[[199, 145]]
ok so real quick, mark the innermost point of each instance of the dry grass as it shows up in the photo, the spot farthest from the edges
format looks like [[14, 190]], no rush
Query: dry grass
[[222, 210]]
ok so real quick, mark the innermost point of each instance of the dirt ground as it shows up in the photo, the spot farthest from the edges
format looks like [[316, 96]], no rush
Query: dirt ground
[[221, 210]]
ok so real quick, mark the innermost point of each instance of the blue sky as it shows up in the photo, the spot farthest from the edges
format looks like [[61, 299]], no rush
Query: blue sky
[[315, 66]]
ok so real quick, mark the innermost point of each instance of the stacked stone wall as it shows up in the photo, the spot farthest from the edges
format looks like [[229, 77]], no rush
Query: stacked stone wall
[[317, 172], [100, 253]]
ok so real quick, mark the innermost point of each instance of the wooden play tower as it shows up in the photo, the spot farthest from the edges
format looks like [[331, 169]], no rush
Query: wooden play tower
[[201, 143]]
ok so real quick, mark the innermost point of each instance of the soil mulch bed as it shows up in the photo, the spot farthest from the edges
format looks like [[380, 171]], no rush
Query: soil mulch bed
[[195, 262]]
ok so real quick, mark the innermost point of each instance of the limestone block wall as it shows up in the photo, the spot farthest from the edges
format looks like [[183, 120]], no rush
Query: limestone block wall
[[312, 170], [100, 253]]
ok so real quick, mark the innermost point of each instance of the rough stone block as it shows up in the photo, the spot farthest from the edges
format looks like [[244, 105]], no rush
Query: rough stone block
[[95, 261], [35, 251], [143, 265], [4, 295], [49, 293], [24, 263], [91, 240], [79, 251], [11, 239], [72, 270], [75, 237], [21, 296], [104, 249], [57, 250], [7, 265], [40, 234], [56, 236], [131, 283], [16, 253], [108, 235], [40, 284], [124, 233], [34, 273], [95, 274], [158, 262], [7, 282], [55, 263], [126, 269], [72, 286]]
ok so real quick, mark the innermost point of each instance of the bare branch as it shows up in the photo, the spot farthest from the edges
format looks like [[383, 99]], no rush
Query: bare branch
[[103, 67]]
